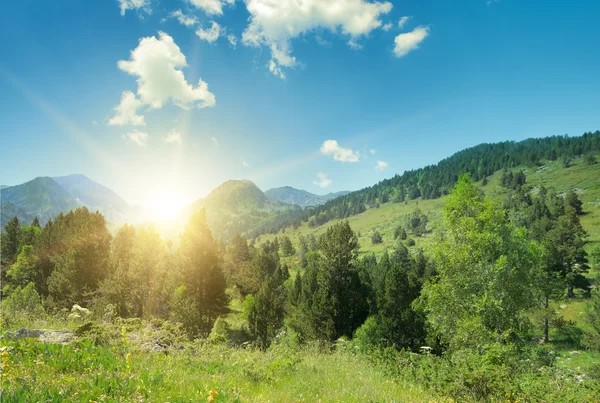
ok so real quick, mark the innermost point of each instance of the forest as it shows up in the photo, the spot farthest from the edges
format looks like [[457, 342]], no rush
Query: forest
[[472, 317], [434, 181]]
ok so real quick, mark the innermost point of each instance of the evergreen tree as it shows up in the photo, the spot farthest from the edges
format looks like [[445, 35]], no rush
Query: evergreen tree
[[203, 293], [287, 248], [376, 238], [572, 200], [36, 223], [11, 240]]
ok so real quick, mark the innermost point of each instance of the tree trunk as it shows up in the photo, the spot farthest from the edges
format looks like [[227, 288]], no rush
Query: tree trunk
[[570, 292]]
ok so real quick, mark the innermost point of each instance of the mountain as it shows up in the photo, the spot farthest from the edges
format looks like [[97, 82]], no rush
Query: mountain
[[41, 197], [96, 197], [239, 206], [3, 186], [299, 197]]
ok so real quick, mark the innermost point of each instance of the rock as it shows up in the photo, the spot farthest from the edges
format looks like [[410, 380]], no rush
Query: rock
[[45, 336]]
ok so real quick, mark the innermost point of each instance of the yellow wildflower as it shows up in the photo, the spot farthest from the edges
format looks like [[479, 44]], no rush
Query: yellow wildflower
[[212, 395], [128, 360]]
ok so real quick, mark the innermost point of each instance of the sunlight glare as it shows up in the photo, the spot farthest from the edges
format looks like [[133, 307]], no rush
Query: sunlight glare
[[165, 204]]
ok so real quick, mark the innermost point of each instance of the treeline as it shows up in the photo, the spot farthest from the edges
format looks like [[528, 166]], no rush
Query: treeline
[[436, 180], [490, 265]]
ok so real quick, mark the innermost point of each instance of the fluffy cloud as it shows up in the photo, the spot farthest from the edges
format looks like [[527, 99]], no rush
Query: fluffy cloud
[[173, 137], [322, 180], [184, 19], [387, 26], [126, 111], [381, 165], [215, 141], [410, 41], [245, 163], [139, 138], [331, 147], [211, 7], [274, 23], [142, 5], [402, 22], [210, 35], [157, 64]]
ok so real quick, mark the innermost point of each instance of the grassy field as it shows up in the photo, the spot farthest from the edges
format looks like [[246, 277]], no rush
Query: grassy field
[[84, 372]]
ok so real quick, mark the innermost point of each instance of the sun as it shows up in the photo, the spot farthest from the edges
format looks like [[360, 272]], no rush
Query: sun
[[165, 204]]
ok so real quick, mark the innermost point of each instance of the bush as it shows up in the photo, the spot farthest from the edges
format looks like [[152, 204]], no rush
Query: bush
[[22, 306], [410, 242], [219, 332], [376, 238]]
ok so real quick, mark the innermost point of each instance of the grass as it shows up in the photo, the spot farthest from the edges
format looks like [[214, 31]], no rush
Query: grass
[[84, 372]]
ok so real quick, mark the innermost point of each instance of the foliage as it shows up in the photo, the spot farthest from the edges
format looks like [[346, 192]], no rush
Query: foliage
[[485, 272], [376, 238]]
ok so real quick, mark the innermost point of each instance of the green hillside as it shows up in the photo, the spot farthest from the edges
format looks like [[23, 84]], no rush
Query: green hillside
[[584, 178], [239, 206], [41, 197]]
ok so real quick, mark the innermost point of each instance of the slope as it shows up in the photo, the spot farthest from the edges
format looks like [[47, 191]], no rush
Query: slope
[[239, 206], [41, 197]]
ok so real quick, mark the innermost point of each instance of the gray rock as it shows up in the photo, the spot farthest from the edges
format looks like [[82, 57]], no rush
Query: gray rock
[[45, 336]]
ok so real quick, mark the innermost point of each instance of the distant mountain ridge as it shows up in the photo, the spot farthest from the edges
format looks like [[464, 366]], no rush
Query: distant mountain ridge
[[239, 206], [95, 196], [41, 197], [299, 197], [46, 197]]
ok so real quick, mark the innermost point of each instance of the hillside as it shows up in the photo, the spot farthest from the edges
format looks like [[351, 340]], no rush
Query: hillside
[[41, 197], [299, 197], [239, 206], [434, 181], [385, 217], [96, 197]]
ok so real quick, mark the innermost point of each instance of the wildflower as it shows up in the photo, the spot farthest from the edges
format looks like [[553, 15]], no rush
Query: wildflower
[[128, 360], [212, 396]]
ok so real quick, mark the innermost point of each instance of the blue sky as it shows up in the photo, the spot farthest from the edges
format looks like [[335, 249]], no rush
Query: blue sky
[[462, 73]]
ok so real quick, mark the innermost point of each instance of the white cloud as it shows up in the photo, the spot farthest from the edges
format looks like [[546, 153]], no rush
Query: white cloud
[[126, 111], [331, 147], [387, 26], [210, 35], [211, 7], [354, 45], [322, 180], [402, 22], [215, 141], [174, 137], [232, 40], [142, 5], [157, 64], [184, 19], [94, 122], [372, 151], [410, 41], [275, 23], [245, 164], [381, 165], [139, 138]]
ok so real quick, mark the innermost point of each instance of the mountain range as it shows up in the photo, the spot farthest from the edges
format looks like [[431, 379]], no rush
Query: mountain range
[[302, 198], [237, 206]]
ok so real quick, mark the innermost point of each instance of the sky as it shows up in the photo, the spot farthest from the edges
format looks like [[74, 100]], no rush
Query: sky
[[155, 97]]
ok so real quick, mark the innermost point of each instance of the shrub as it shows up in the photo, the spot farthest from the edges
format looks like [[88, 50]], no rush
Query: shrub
[[22, 306], [376, 238]]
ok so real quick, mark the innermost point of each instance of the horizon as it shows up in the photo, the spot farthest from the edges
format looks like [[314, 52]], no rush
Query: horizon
[[237, 96]]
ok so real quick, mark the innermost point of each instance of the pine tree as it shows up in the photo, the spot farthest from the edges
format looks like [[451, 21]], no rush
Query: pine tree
[[11, 239], [202, 275]]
